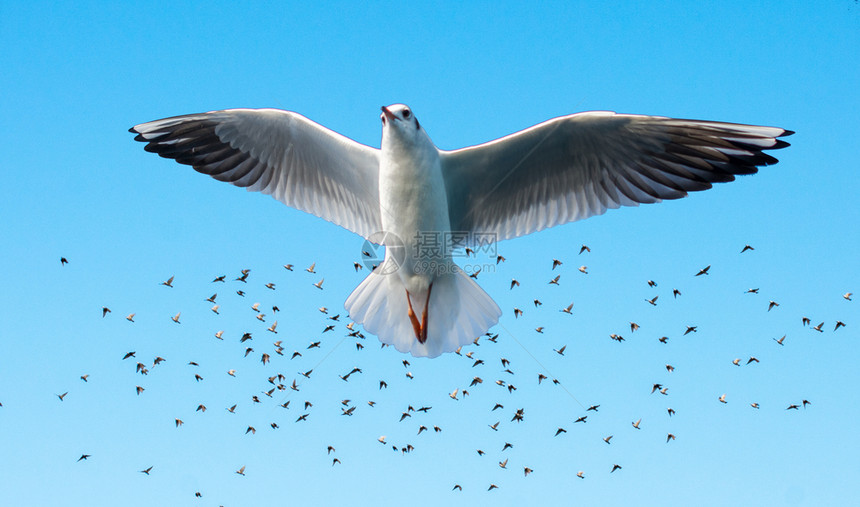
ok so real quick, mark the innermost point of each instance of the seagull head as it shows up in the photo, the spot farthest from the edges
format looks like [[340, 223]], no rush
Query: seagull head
[[401, 130], [399, 114]]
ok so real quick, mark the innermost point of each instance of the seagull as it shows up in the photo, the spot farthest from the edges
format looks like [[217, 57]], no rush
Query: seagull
[[565, 169]]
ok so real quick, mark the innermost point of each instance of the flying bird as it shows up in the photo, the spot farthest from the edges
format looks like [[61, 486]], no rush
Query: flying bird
[[565, 169]]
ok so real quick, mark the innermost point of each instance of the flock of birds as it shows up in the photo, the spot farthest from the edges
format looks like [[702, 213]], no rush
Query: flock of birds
[[265, 342]]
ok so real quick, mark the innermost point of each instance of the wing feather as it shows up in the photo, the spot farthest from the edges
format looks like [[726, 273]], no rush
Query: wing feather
[[279, 153], [577, 166]]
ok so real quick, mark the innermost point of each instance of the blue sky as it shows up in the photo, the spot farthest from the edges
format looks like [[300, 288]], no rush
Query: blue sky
[[78, 75]]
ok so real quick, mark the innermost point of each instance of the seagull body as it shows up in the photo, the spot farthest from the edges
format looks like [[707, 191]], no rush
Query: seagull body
[[409, 195]]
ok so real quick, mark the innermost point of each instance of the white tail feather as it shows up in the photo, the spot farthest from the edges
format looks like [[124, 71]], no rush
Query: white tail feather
[[459, 311]]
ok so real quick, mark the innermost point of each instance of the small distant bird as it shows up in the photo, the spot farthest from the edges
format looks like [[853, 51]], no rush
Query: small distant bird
[[335, 461], [839, 324], [704, 271], [105, 311], [722, 398], [517, 313], [848, 295], [671, 411], [555, 280], [690, 329], [580, 474], [636, 424], [494, 427], [780, 340], [514, 283], [175, 318], [771, 305], [139, 390], [273, 327], [381, 439], [146, 470], [63, 261], [670, 368], [561, 350], [751, 291], [615, 467], [633, 326], [492, 487], [453, 395], [818, 327], [754, 405], [593, 408], [319, 284], [84, 457], [288, 267], [197, 494], [232, 373], [736, 362], [567, 309], [61, 396], [583, 269], [503, 464], [752, 359], [85, 377], [792, 407], [527, 471], [584, 248], [670, 436], [270, 285], [130, 317], [663, 339], [179, 422], [219, 278], [806, 402], [675, 293], [241, 471], [168, 283], [215, 309], [457, 487], [499, 259], [747, 247], [581, 419], [480, 452], [652, 301], [539, 329], [556, 263], [127, 355], [607, 439], [806, 321]]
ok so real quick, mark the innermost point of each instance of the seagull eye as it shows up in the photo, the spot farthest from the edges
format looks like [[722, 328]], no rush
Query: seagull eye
[[406, 114]]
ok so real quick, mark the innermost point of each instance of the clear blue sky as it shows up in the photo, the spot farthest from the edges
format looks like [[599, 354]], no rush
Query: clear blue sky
[[77, 75]]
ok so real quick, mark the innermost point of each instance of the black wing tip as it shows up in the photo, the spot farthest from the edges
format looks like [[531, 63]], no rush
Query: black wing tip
[[786, 133]]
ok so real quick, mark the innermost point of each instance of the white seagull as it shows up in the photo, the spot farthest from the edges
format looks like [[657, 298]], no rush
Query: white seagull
[[409, 194]]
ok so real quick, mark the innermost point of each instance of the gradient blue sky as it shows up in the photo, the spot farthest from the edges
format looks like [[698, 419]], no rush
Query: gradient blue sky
[[77, 75]]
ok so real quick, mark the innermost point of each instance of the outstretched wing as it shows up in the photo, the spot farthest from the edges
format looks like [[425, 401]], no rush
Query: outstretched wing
[[577, 166], [280, 153]]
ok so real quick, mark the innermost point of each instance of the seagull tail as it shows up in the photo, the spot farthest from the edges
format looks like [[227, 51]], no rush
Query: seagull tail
[[458, 312]]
